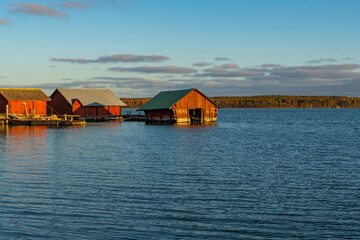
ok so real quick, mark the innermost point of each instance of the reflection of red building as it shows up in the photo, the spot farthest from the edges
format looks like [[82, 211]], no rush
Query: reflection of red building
[[85, 102], [23, 101]]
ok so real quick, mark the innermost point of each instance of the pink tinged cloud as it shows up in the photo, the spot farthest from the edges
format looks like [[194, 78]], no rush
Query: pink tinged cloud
[[322, 60], [218, 72], [70, 60], [36, 9], [165, 69], [230, 66], [270, 65], [114, 59], [4, 21], [202, 64], [131, 58], [73, 4], [222, 59]]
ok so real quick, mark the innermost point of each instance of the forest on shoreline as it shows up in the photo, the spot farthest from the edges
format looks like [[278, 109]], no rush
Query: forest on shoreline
[[270, 101]]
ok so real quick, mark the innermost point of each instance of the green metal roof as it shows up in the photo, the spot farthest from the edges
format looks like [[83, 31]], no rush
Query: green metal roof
[[165, 100]]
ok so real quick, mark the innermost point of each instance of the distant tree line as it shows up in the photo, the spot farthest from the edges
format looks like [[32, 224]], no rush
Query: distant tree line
[[271, 101], [279, 101], [135, 103]]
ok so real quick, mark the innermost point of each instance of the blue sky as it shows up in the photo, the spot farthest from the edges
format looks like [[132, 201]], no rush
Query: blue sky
[[137, 48]]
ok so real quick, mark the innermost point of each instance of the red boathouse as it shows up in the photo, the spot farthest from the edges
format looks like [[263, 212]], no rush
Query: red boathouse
[[180, 106], [85, 102], [26, 101]]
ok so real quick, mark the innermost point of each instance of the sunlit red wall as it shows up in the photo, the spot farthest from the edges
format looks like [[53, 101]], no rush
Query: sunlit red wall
[[103, 111], [115, 110], [78, 108], [62, 106], [37, 107]]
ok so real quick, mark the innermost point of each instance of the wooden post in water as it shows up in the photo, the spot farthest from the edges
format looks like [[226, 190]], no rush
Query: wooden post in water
[[7, 114], [26, 111]]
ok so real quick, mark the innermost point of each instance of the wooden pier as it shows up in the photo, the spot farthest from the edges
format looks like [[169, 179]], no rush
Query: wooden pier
[[64, 120], [134, 117]]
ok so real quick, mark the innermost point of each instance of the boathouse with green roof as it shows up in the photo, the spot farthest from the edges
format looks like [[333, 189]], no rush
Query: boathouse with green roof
[[180, 106]]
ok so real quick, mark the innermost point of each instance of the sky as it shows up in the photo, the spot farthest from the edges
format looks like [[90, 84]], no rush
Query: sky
[[137, 48]]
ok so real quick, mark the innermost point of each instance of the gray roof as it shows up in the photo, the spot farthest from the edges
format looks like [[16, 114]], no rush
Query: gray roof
[[92, 97], [24, 94]]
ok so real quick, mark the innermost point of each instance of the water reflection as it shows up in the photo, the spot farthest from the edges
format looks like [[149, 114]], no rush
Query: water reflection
[[183, 125], [4, 130], [187, 125], [24, 177], [251, 176], [22, 141]]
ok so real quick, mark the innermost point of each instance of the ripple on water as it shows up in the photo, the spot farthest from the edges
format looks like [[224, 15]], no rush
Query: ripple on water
[[257, 174]]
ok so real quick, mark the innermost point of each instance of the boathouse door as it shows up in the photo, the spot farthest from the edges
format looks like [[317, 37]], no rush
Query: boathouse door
[[195, 115]]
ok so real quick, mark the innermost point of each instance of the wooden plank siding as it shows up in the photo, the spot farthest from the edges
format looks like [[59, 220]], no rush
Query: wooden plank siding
[[195, 100], [179, 112], [23, 101], [99, 111], [161, 115], [18, 107], [62, 106], [59, 105], [3, 103], [77, 107]]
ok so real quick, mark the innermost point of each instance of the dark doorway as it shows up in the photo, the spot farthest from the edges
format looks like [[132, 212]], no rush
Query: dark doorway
[[195, 115]]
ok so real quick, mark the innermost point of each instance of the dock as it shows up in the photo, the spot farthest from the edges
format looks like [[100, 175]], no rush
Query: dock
[[134, 117], [65, 120], [53, 120]]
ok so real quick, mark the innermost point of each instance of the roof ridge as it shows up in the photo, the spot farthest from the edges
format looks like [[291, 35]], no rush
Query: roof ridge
[[85, 89], [188, 89], [23, 94], [166, 99], [17, 89], [102, 96]]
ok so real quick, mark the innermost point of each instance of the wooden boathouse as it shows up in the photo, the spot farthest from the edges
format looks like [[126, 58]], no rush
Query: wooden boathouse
[[180, 106], [23, 101], [85, 102]]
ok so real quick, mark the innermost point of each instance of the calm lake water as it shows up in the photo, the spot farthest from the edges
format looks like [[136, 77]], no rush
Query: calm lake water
[[256, 174]]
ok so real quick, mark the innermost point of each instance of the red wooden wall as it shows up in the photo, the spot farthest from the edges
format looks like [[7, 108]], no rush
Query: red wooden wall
[[62, 106], [180, 111], [195, 100], [102, 111], [33, 107], [3, 103], [59, 104], [160, 115], [78, 108], [36, 107]]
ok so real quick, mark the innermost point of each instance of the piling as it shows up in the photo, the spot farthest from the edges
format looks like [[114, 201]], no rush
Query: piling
[[6, 114]]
